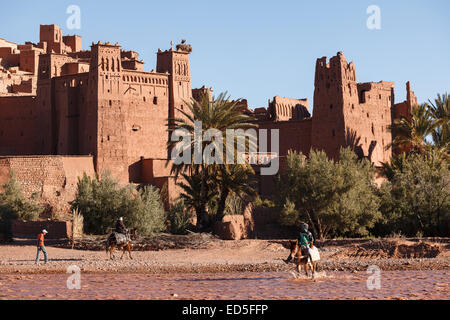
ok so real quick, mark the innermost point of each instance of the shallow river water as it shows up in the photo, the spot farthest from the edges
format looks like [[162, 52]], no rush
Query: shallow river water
[[329, 285]]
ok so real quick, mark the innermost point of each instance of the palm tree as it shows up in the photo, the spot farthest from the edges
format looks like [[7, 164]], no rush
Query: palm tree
[[410, 135], [220, 114], [397, 163], [192, 197], [440, 112], [237, 179]]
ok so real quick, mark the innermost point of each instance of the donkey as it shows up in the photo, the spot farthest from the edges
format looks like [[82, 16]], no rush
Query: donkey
[[302, 258], [111, 244]]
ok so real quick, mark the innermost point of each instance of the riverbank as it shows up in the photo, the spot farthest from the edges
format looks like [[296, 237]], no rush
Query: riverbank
[[206, 254]]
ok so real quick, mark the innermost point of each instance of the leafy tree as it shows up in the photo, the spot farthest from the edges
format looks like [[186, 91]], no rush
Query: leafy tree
[[103, 201], [416, 199], [14, 205], [336, 198], [356, 209], [147, 211]]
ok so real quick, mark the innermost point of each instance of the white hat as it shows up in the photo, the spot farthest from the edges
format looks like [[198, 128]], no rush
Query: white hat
[[121, 219], [44, 231]]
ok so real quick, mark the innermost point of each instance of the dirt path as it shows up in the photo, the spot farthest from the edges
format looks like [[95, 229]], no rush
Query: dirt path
[[228, 256]]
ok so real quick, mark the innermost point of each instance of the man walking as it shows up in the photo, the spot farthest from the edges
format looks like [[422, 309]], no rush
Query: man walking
[[41, 247]]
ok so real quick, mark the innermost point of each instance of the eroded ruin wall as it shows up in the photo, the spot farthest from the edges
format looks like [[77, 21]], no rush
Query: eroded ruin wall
[[54, 178]]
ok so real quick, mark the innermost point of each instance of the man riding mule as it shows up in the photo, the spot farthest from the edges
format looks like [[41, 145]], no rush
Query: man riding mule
[[120, 238], [304, 250], [120, 226]]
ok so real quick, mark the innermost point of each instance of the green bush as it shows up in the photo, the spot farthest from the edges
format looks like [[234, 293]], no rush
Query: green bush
[[14, 205], [147, 214], [416, 199], [179, 218], [103, 201], [335, 198]]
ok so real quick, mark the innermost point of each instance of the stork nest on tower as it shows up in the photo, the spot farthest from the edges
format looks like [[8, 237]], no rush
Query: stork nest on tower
[[183, 46]]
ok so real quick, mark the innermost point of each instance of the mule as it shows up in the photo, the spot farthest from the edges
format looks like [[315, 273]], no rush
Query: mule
[[111, 244], [302, 259]]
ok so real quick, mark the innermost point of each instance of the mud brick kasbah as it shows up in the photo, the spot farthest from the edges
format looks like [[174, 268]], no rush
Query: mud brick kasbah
[[64, 111]]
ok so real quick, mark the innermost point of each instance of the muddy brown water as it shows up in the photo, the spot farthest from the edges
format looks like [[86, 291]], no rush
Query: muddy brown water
[[228, 286]]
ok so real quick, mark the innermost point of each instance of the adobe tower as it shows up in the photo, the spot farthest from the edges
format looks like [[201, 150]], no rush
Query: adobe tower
[[176, 63], [347, 113]]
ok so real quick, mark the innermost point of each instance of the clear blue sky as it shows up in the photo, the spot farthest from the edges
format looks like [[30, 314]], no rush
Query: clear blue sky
[[259, 49]]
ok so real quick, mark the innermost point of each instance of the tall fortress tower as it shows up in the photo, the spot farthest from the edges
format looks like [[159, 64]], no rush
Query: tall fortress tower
[[176, 64], [347, 113]]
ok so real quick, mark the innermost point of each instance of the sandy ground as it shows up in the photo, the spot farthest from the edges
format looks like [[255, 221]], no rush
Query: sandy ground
[[213, 255]]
